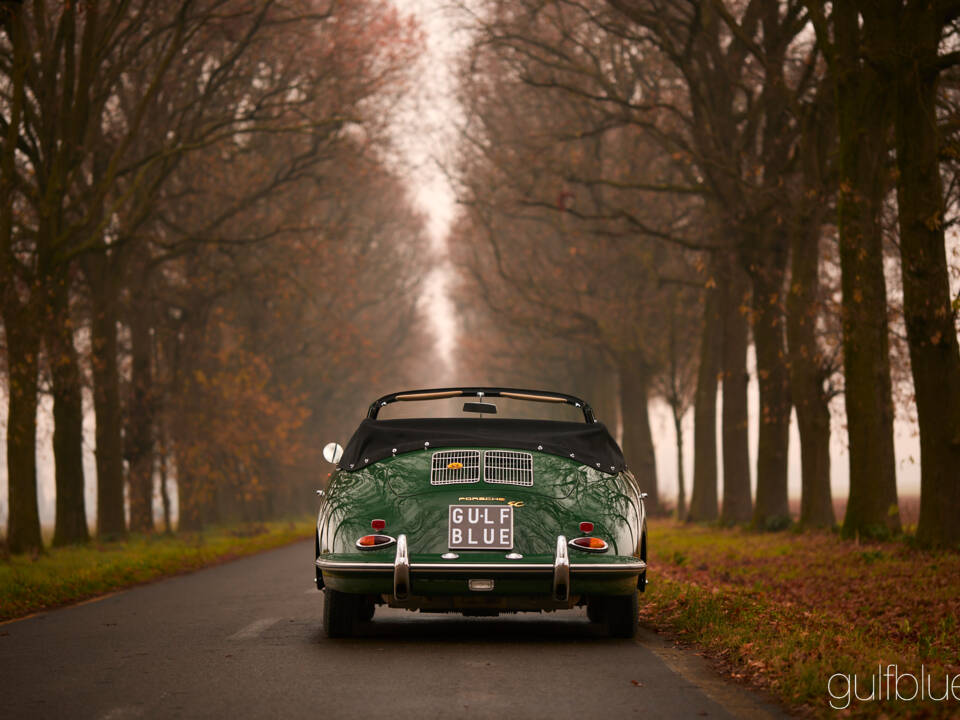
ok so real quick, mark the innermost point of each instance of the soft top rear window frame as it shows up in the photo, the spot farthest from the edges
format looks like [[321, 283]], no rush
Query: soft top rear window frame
[[482, 392], [588, 444]]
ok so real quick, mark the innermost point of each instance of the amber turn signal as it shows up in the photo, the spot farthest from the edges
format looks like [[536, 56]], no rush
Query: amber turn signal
[[589, 544], [455, 466], [375, 542]]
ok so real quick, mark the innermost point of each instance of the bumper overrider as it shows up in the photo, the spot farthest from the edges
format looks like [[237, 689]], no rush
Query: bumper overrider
[[452, 584]]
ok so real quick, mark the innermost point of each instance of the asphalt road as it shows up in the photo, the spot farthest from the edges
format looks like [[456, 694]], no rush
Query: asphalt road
[[243, 640]]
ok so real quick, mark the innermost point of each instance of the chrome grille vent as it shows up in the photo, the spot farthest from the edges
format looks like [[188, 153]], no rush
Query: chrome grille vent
[[442, 474], [508, 467]]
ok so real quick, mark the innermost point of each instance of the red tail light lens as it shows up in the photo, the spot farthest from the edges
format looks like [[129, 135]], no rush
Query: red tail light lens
[[589, 544], [586, 527], [378, 524], [375, 542]]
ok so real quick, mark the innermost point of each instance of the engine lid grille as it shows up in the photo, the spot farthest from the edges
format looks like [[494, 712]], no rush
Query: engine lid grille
[[508, 467], [441, 472]]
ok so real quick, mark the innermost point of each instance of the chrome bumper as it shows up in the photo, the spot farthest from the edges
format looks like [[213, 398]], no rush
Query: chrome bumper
[[561, 568]]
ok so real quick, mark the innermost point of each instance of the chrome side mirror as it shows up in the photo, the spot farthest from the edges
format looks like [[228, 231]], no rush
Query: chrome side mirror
[[332, 452], [643, 495]]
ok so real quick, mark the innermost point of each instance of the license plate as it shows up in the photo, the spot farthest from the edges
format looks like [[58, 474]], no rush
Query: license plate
[[481, 527]]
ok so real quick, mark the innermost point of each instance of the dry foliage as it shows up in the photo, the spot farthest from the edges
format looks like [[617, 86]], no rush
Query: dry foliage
[[786, 611]]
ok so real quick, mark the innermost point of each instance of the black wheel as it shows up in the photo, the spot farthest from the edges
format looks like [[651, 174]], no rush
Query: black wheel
[[595, 610], [622, 613], [367, 609], [642, 579], [341, 611], [316, 543]]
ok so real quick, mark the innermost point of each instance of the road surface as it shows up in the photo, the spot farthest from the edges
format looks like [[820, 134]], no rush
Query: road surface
[[243, 640]]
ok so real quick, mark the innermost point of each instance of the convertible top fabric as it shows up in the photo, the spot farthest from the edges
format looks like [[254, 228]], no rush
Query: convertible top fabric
[[585, 443]]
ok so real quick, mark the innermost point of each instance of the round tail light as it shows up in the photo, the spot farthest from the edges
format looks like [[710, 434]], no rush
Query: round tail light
[[375, 542], [378, 524], [589, 544], [586, 527]]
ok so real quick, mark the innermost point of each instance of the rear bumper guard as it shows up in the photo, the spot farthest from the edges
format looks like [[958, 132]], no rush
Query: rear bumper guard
[[401, 570], [561, 572]]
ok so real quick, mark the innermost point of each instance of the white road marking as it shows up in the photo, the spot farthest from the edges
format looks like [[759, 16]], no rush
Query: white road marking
[[253, 629]]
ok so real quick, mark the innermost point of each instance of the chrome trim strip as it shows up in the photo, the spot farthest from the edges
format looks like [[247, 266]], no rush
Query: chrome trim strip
[[561, 571], [401, 570], [451, 567], [638, 566], [354, 566], [483, 567]]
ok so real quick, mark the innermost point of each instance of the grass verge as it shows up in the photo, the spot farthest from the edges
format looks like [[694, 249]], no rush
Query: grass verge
[[62, 576], [786, 611]]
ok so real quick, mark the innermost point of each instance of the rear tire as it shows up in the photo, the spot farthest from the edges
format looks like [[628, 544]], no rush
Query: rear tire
[[367, 609], [316, 543], [595, 610], [341, 611], [622, 612]]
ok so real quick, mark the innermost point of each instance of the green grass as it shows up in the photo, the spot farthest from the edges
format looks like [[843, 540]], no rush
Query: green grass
[[61, 576], [785, 611]]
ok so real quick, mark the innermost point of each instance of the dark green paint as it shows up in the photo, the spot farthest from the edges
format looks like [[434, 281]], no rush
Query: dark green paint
[[398, 490]]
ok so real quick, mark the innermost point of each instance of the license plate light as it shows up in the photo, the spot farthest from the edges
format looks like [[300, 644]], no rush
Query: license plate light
[[480, 585]]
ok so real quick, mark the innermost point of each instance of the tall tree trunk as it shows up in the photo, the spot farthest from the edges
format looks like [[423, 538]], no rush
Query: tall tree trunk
[[766, 252], [675, 397], [23, 346], [163, 462], [681, 490], [162, 444], [111, 515], [71, 515], [737, 503], [772, 510], [608, 395], [189, 501], [863, 118], [931, 322], [21, 326], [807, 372], [139, 449], [637, 437], [212, 508], [703, 503], [806, 379], [177, 347]]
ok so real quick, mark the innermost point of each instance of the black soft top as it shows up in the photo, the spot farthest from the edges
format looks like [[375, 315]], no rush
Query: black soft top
[[587, 443]]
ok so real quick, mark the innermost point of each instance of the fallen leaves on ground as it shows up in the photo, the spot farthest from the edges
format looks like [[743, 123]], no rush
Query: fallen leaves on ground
[[785, 611]]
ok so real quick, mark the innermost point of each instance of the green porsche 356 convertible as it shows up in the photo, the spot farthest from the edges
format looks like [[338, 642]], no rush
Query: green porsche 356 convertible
[[480, 516]]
